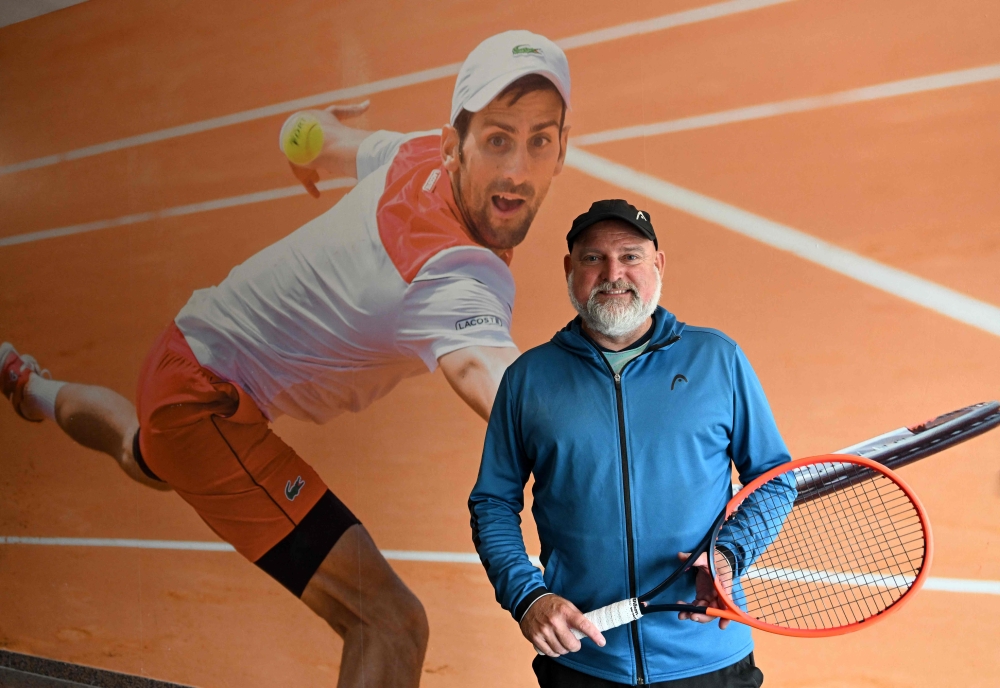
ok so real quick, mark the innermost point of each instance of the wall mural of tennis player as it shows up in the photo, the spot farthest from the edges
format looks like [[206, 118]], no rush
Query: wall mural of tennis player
[[823, 180], [406, 273]]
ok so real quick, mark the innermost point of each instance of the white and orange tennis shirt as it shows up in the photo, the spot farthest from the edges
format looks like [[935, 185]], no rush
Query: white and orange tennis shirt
[[373, 291]]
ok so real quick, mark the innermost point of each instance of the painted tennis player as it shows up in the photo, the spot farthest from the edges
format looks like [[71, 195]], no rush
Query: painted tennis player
[[409, 271]]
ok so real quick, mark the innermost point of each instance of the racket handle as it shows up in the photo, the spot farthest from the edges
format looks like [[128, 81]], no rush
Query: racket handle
[[611, 616]]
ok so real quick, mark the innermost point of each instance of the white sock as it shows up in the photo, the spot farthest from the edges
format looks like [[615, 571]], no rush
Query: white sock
[[40, 397]]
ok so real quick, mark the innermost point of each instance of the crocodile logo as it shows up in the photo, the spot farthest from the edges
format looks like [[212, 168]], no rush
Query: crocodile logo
[[525, 49], [677, 378], [292, 490]]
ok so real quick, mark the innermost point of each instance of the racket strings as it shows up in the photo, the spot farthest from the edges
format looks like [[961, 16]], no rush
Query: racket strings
[[855, 551], [827, 561]]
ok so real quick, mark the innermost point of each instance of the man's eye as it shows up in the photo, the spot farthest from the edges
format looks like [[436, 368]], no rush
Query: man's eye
[[540, 141], [497, 141]]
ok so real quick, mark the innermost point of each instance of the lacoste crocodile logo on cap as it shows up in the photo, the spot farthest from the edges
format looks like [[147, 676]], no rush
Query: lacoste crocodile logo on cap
[[525, 49], [292, 490], [677, 378]]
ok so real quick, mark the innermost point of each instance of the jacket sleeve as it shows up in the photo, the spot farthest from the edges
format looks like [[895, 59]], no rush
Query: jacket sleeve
[[495, 506], [756, 447]]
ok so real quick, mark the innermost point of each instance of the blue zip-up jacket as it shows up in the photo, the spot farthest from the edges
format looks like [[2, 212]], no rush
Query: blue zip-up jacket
[[629, 470]]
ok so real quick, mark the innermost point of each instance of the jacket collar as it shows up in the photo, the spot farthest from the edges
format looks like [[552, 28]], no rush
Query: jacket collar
[[666, 329]]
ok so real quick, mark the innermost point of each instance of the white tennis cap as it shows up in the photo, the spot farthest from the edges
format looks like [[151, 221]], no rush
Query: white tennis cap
[[502, 59]]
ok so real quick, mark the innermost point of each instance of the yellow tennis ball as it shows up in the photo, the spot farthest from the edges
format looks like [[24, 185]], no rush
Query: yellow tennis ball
[[302, 138]]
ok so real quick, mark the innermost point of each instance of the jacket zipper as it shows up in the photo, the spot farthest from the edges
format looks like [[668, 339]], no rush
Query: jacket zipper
[[632, 585]]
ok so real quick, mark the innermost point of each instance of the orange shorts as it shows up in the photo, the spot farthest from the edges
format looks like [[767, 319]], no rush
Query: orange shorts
[[208, 440]]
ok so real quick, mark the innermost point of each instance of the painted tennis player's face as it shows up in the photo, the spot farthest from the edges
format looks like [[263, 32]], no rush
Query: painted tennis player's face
[[502, 170]]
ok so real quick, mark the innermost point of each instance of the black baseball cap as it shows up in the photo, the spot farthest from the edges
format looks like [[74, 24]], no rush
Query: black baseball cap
[[613, 209]]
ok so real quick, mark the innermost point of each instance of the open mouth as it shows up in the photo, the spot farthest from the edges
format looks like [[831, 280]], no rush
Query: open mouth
[[507, 205]]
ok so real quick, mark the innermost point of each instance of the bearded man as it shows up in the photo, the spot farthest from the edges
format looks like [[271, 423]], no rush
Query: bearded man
[[630, 422]]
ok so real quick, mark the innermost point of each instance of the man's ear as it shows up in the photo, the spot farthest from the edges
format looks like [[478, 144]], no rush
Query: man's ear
[[449, 148], [568, 264], [563, 142], [661, 262]]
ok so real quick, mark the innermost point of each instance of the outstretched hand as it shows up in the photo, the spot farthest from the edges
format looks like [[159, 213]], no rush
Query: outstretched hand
[[340, 146], [705, 592], [549, 625]]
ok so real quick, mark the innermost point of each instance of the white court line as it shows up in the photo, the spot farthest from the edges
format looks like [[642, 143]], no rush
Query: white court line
[[185, 545], [201, 546], [890, 89], [961, 585], [176, 211], [807, 576], [668, 21], [892, 280]]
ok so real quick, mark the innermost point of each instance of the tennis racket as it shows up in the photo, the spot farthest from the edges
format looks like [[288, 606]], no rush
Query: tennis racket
[[908, 444], [817, 563]]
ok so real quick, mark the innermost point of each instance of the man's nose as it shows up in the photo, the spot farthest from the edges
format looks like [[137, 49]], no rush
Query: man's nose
[[613, 271], [518, 165]]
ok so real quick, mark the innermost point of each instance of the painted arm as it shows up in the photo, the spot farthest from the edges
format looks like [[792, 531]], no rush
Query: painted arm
[[340, 146], [475, 373]]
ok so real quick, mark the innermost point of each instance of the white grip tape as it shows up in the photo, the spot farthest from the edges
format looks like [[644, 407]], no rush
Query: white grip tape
[[613, 616]]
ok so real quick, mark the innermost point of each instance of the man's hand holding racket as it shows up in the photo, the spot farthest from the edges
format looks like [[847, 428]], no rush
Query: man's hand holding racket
[[549, 623], [707, 595]]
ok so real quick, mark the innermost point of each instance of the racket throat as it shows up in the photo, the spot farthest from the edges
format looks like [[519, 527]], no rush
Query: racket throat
[[689, 608]]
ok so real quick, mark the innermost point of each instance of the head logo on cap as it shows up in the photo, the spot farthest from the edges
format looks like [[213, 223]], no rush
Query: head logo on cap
[[612, 209], [525, 49]]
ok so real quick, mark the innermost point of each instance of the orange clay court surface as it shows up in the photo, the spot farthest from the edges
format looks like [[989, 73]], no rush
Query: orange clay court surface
[[909, 180]]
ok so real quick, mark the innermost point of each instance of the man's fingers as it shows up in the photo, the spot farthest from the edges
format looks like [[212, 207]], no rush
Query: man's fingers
[[553, 638], [542, 646], [702, 559], [700, 618], [307, 177], [587, 627], [566, 638], [350, 110]]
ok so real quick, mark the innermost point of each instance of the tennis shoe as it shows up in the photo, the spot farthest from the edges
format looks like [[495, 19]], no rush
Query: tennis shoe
[[15, 370]]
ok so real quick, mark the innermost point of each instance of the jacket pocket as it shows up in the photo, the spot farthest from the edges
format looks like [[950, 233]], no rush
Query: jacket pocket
[[551, 574]]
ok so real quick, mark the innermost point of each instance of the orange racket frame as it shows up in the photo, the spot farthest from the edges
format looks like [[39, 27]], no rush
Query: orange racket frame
[[734, 613]]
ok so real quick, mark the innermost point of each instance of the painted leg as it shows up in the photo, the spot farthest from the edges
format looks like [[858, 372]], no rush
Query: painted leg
[[96, 417], [383, 624], [102, 419]]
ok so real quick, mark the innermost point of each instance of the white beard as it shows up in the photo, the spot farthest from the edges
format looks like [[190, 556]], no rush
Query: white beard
[[614, 321]]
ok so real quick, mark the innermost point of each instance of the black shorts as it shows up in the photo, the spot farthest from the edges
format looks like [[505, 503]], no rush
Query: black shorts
[[742, 674]]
